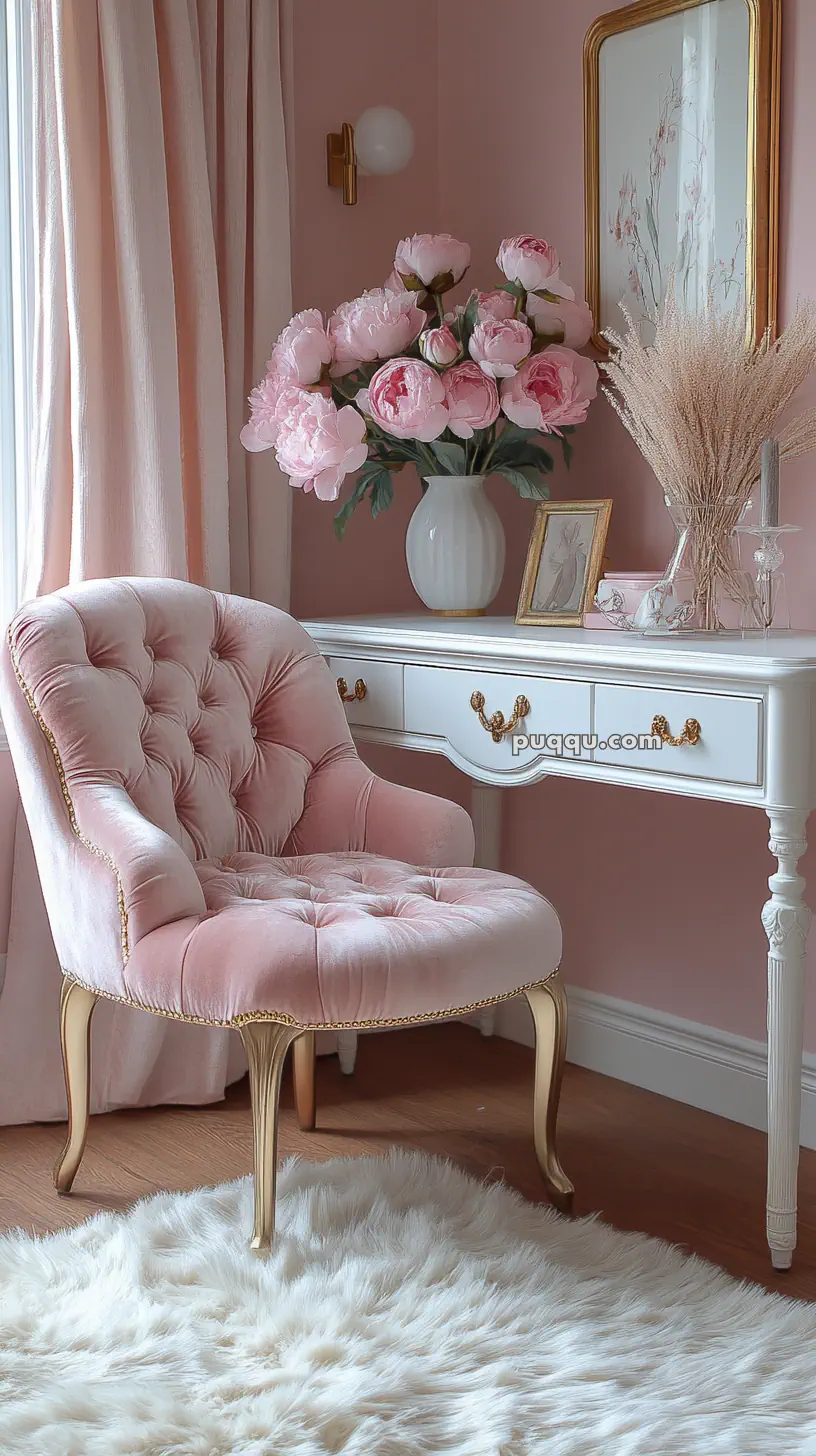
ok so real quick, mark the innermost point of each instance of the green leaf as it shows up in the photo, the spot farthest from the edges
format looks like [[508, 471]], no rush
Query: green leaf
[[534, 455], [543, 341], [516, 453], [411, 283], [382, 492], [451, 457], [470, 318], [517, 290], [390, 449], [346, 511], [511, 434], [528, 482], [566, 449]]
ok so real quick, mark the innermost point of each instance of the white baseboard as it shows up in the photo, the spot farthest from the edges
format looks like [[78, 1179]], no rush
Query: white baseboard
[[699, 1065]]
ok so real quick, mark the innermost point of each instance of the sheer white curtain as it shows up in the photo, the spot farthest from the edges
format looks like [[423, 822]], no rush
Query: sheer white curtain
[[16, 292], [162, 274]]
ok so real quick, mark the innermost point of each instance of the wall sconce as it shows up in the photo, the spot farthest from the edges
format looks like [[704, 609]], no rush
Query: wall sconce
[[381, 143]]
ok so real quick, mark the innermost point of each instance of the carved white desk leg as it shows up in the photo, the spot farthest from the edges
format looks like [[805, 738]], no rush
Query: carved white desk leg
[[347, 1050], [786, 920], [485, 811]]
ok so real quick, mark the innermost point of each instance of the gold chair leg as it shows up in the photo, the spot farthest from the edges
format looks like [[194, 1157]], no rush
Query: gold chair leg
[[266, 1044], [305, 1065], [76, 1009], [548, 1003]]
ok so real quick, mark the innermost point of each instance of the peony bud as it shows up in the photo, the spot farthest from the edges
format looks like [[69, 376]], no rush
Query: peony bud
[[440, 347]]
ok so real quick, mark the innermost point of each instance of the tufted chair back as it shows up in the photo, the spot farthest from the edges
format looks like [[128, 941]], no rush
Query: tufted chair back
[[155, 724]]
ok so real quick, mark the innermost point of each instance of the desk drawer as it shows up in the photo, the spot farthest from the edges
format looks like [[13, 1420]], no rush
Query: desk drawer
[[730, 732], [437, 703], [381, 705]]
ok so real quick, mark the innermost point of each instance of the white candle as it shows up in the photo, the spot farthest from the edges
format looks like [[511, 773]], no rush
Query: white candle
[[769, 484]]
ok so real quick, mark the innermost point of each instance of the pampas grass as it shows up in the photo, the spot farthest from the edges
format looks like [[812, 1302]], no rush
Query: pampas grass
[[698, 403]]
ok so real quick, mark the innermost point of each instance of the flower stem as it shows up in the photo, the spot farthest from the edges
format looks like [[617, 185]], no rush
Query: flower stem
[[431, 462]]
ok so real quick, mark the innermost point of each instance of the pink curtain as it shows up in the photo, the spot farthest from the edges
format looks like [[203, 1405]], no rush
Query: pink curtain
[[162, 219]]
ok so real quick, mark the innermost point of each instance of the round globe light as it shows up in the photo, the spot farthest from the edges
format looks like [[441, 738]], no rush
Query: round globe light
[[383, 140]]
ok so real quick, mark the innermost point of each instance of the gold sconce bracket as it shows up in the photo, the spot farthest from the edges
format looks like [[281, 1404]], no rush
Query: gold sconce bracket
[[341, 162]]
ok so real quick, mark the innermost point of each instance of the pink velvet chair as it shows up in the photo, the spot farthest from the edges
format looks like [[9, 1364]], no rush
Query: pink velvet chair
[[211, 848]]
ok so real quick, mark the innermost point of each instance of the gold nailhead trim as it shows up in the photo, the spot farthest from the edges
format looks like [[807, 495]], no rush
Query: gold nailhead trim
[[69, 804], [285, 1019]]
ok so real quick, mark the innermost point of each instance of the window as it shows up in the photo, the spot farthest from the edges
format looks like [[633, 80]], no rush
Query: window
[[16, 292]]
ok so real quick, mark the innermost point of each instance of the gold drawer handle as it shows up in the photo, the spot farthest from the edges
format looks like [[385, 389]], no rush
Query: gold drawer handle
[[357, 696], [495, 724], [690, 733]]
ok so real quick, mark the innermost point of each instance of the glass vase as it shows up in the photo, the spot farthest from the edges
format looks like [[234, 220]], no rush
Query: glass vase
[[705, 575]]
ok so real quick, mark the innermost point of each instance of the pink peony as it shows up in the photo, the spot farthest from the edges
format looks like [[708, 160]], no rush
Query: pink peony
[[393, 283], [319, 444], [569, 321], [472, 399], [374, 326], [406, 398], [440, 346], [268, 402], [435, 261], [553, 388], [302, 349], [533, 263], [495, 305], [499, 345]]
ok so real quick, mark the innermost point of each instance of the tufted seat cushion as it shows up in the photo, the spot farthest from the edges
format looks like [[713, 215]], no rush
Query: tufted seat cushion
[[346, 939]]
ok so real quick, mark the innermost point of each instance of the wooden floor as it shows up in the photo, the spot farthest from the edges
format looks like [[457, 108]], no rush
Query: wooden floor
[[642, 1161]]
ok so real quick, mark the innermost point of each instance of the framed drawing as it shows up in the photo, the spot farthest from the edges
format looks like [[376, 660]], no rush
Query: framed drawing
[[681, 121], [563, 563]]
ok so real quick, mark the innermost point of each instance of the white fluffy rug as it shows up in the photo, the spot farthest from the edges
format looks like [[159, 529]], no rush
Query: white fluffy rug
[[406, 1309]]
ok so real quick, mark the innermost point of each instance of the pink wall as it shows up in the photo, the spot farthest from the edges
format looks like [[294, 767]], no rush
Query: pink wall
[[675, 886], [344, 62]]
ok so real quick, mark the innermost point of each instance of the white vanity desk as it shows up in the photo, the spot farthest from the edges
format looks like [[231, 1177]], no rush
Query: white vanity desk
[[414, 678]]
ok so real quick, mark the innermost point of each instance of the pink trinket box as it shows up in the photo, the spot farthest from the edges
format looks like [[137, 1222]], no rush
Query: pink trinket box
[[633, 586]]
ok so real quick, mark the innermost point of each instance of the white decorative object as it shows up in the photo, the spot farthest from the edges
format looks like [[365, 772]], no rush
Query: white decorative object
[[384, 140], [769, 558], [347, 1051], [752, 698], [455, 545], [786, 919], [404, 1307]]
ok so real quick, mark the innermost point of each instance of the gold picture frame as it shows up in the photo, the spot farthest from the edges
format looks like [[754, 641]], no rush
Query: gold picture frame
[[544, 585], [761, 241]]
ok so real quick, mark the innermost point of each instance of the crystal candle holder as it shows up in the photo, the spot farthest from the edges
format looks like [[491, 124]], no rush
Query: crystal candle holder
[[769, 558]]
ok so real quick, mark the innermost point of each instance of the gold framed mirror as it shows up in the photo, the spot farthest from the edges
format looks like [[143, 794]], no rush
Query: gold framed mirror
[[681, 157]]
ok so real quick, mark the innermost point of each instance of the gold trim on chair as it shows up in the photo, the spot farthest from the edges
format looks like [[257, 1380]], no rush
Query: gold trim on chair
[[69, 803], [284, 1019]]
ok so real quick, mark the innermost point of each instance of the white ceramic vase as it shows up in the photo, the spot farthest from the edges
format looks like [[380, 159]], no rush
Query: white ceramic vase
[[455, 546]]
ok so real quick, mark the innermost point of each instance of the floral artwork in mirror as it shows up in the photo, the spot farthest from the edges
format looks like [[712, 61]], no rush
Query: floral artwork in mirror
[[681, 159]]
